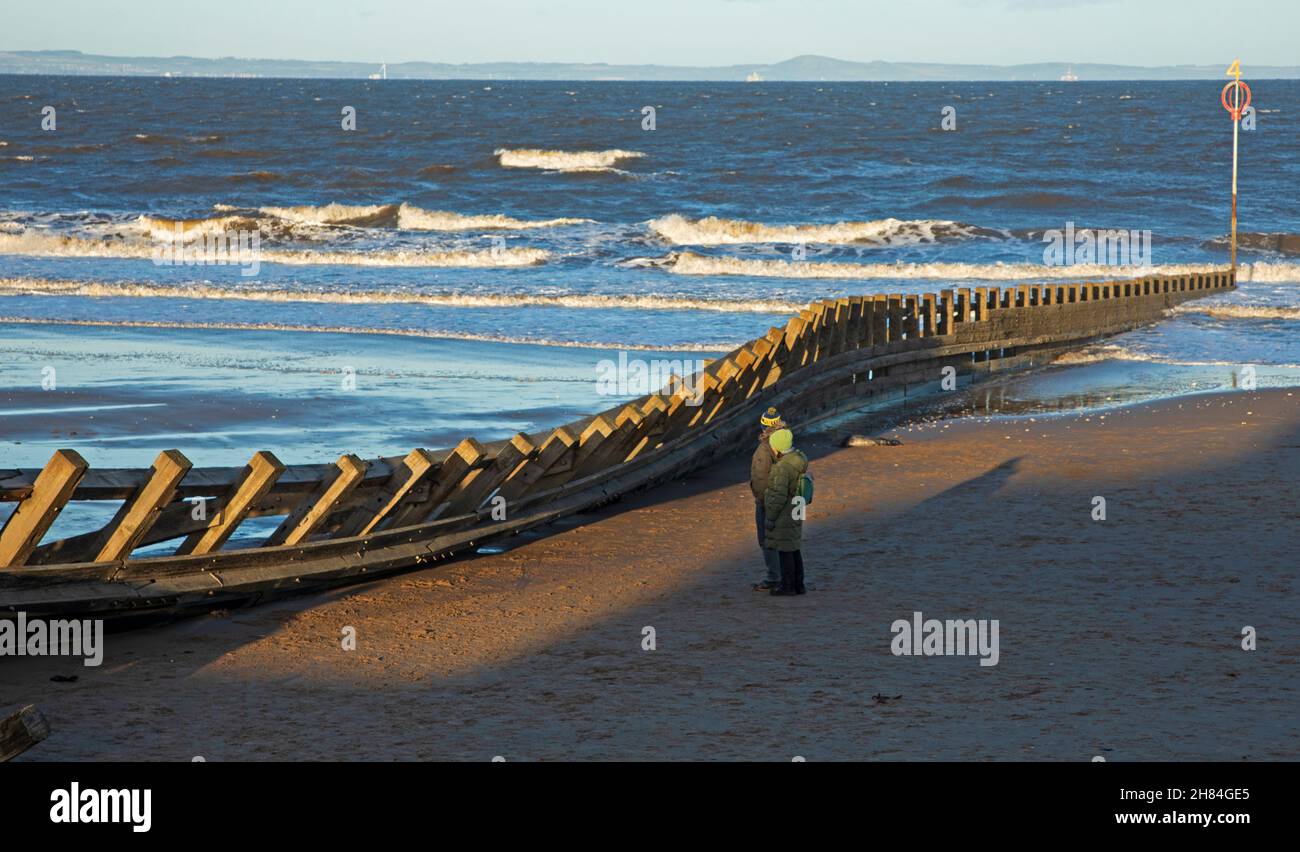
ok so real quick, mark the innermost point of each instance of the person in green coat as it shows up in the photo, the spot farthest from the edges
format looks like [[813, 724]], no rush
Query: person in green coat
[[783, 515], [760, 465]]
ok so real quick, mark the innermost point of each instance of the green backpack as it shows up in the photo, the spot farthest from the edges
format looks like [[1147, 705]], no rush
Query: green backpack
[[805, 488]]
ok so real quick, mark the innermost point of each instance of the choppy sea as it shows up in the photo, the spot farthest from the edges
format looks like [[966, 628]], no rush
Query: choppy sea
[[459, 259]]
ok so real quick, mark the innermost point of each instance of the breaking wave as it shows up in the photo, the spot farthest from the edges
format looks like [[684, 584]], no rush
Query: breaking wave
[[49, 287], [1240, 311], [715, 231], [717, 346], [44, 244], [161, 228], [1117, 352], [410, 218], [563, 161], [1265, 273], [690, 263]]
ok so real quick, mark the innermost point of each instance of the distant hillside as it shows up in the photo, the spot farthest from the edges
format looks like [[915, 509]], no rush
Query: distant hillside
[[799, 68]]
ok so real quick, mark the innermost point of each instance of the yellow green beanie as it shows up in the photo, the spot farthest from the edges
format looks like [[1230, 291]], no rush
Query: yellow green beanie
[[782, 440]]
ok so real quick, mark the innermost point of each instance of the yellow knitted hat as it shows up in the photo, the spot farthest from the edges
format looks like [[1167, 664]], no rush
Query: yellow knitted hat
[[771, 418], [782, 440]]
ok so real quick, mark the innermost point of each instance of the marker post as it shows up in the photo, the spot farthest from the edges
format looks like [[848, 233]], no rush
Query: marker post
[[1235, 109]]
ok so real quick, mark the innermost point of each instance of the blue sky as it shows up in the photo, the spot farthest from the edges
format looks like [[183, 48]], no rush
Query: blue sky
[[672, 32]]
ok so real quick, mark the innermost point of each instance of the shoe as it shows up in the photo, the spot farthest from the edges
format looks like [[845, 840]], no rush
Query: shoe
[[766, 585], [801, 591], [782, 590]]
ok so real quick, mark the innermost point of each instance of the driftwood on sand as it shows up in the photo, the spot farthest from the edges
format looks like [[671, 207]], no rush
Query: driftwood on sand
[[21, 731]]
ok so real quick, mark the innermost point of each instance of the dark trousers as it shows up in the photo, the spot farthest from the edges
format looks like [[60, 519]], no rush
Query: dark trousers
[[770, 557], [792, 570]]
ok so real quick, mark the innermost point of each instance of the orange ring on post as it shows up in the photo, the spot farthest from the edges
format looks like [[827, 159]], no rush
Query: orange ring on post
[[1235, 111]]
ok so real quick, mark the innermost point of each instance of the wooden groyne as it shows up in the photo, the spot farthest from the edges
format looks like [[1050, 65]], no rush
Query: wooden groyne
[[359, 518]]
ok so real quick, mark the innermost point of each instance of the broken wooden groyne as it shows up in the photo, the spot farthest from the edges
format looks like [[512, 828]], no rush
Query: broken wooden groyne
[[357, 519]]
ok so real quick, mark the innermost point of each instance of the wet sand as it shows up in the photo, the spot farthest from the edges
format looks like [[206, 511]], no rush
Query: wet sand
[[1119, 638]]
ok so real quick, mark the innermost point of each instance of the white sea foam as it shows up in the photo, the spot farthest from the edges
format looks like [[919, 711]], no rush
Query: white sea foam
[[1117, 352], [1240, 311], [161, 228], [715, 231], [414, 218], [141, 290], [45, 244], [563, 161], [717, 346], [691, 263], [401, 216], [1266, 272]]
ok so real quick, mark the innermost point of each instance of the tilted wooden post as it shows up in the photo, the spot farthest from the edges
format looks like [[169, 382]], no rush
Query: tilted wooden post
[[415, 470], [314, 509], [36, 513], [21, 731], [615, 447], [464, 462], [880, 320], [896, 312], [963, 312], [556, 450], [137, 515], [947, 311], [258, 478], [654, 410], [471, 495]]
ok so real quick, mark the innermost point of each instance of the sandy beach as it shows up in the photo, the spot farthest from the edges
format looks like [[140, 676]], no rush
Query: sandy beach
[[1119, 638]]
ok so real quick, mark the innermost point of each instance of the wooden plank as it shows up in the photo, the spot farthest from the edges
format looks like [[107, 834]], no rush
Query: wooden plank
[[788, 346], [830, 313], [615, 447], [859, 322], [881, 327], [556, 449], [911, 318], [708, 398], [929, 320], [37, 512], [651, 427], [259, 475], [896, 314], [313, 510], [471, 496], [21, 731], [805, 348], [726, 390], [774, 353], [843, 318], [590, 440], [137, 515], [947, 310], [869, 321], [463, 462]]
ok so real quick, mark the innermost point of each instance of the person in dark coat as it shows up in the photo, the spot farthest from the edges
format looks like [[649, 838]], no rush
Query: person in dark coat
[[783, 523], [759, 467]]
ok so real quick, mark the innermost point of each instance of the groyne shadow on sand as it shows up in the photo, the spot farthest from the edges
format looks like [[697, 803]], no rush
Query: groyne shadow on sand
[[1120, 639]]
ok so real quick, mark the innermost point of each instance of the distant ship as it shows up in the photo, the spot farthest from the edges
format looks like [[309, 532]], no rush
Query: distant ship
[[1069, 76], [383, 73], [754, 77]]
